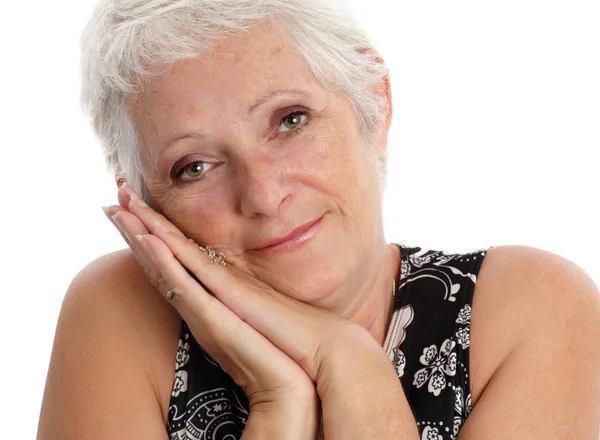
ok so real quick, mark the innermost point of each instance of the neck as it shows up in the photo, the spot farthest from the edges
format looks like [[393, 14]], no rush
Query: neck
[[371, 307]]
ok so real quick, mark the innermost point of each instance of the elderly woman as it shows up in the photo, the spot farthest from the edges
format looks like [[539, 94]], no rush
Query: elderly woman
[[259, 299]]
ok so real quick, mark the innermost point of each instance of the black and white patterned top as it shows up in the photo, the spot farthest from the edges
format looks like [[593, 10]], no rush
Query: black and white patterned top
[[428, 343]]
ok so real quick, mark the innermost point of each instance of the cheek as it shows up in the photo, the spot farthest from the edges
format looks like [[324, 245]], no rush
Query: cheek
[[187, 212], [205, 218], [339, 162]]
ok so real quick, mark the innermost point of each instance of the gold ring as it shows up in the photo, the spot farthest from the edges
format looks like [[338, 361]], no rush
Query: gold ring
[[216, 257]]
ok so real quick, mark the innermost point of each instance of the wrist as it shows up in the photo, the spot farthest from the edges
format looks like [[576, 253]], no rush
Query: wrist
[[349, 357], [360, 392], [288, 419]]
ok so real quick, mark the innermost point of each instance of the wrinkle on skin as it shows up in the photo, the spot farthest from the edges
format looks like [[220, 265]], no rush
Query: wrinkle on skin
[[266, 183]]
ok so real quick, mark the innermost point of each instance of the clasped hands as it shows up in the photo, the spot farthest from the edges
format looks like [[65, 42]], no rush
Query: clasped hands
[[294, 361]]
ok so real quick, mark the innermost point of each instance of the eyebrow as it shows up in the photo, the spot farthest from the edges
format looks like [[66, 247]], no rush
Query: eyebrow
[[200, 134]]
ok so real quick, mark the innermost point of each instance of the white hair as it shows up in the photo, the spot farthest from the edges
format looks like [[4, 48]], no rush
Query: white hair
[[126, 41]]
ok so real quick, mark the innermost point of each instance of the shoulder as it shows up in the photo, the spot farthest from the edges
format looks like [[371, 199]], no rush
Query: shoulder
[[524, 294], [112, 325], [116, 285]]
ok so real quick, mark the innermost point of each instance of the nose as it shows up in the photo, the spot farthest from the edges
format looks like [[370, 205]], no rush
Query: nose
[[261, 191]]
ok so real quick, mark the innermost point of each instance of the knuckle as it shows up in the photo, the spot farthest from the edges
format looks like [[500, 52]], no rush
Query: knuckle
[[162, 284], [149, 273], [189, 283], [202, 261]]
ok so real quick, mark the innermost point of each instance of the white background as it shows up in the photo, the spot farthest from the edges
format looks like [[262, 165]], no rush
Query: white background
[[495, 141]]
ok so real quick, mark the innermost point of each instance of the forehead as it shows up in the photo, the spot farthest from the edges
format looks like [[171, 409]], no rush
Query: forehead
[[226, 81]]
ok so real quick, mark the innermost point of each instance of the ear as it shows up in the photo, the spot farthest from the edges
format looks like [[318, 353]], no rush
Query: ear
[[382, 139], [383, 88]]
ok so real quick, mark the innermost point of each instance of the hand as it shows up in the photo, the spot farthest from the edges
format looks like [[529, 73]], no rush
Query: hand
[[315, 339], [282, 397]]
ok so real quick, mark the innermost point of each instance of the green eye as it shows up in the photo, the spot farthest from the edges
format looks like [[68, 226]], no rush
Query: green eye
[[193, 170], [293, 120]]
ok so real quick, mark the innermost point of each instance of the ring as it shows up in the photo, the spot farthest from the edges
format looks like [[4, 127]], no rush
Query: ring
[[170, 294], [216, 257]]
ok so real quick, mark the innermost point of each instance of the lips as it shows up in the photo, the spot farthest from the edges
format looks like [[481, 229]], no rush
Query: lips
[[297, 231]]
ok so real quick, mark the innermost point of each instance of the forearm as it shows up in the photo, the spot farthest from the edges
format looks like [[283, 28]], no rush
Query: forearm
[[362, 396], [294, 420]]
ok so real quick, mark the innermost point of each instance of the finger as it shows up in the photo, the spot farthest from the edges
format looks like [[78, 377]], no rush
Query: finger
[[249, 358], [123, 194], [127, 197], [128, 226], [110, 211], [230, 340], [294, 327]]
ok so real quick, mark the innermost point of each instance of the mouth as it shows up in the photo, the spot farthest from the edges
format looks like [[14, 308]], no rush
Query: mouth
[[295, 239]]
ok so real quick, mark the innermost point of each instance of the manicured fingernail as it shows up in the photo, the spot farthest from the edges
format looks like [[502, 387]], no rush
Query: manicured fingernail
[[136, 199], [139, 236], [106, 211]]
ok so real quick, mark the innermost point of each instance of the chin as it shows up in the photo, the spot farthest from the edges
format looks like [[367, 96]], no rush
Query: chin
[[312, 271]]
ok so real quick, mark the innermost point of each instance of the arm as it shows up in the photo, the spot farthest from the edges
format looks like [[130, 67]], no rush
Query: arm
[[108, 349], [537, 317], [283, 400], [283, 420], [547, 383], [362, 397], [315, 344], [97, 387]]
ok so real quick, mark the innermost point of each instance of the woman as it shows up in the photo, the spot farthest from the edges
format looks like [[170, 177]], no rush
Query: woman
[[258, 298]]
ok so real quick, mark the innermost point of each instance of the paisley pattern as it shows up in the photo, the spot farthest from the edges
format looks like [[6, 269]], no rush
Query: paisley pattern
[[428, 343]]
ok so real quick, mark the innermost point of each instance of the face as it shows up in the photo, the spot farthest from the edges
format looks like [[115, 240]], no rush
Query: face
[[244, 145]]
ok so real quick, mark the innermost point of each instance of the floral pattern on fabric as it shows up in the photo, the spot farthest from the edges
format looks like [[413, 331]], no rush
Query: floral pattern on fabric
[[464, 316], [438, 365], [183, 354], [463, 337], [439, 286], [180, 386], [431, 433], [181, 359], [402, 317], [399, 362], [433, 298], [463, 334], [462, 409]]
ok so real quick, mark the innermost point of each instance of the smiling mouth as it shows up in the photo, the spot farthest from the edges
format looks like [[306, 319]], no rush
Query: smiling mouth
[[296, 238]]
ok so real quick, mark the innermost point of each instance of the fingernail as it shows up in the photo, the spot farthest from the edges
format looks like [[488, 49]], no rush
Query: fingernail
[[120, 228], [136, 199], [106, 211], [139, 236], [160, 226]]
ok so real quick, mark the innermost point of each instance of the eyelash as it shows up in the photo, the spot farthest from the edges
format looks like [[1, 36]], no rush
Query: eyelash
[[294, 131], [289, 133]]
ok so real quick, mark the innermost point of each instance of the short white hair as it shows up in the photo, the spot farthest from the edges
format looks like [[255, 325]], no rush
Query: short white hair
[[126, 41]]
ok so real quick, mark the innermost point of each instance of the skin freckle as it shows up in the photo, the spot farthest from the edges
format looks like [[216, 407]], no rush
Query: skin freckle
[[266, 183]]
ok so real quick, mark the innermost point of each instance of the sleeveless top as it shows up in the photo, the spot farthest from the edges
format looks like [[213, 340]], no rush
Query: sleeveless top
[[427, 342]]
